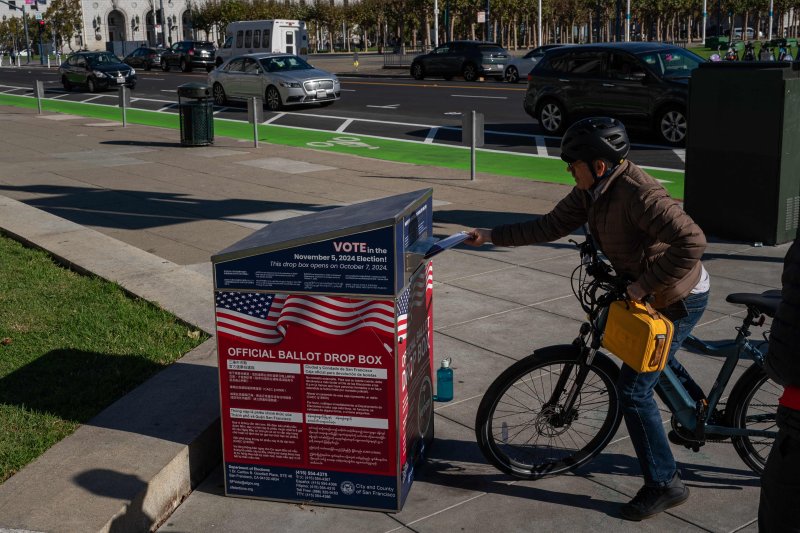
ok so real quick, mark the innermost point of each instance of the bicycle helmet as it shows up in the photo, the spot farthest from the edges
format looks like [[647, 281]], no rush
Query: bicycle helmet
[[595, 138]]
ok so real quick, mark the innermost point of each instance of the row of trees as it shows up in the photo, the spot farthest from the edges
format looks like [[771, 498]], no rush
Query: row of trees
[[514, 22]]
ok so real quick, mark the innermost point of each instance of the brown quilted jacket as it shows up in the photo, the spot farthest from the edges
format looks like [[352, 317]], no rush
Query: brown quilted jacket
[[643, 232]]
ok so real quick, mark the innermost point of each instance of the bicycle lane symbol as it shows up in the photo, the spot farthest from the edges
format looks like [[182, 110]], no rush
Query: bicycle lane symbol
[[350, 142]]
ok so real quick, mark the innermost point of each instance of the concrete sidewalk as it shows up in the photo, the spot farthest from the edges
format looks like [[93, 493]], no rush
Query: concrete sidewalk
[[133, 206]]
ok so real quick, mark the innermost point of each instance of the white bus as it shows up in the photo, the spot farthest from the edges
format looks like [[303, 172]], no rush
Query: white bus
[[249, 36]]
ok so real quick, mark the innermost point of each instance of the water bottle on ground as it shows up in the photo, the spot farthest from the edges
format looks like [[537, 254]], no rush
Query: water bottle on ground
[[444, 382]]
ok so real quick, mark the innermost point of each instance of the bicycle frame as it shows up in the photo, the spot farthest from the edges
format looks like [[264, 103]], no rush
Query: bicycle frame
[[690, 413]]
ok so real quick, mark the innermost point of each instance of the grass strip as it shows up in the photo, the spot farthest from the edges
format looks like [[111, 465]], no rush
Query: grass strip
[[70, 345], [505, 164]]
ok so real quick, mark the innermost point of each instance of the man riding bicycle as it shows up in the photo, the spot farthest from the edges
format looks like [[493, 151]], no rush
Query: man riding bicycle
[[651, 241]]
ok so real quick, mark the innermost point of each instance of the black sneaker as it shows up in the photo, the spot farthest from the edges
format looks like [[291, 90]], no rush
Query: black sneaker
[[650, 501]]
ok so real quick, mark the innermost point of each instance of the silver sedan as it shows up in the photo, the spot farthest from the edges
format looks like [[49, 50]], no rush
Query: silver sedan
[[280, 79]]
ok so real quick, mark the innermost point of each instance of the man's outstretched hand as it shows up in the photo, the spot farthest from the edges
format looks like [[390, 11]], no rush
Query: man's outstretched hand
[[479, 236]]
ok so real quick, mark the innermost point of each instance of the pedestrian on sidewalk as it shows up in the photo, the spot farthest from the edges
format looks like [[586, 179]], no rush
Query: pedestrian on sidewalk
[[780, 483], [648, 239]]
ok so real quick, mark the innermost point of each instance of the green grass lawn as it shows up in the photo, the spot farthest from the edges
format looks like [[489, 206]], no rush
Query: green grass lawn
[[70, 345]]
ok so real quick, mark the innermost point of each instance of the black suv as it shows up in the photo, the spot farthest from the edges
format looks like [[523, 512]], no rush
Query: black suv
[[189, 54], [469, 59], [642, 84]]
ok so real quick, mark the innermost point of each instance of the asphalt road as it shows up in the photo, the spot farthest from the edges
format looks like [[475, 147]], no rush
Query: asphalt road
[[426, 111]]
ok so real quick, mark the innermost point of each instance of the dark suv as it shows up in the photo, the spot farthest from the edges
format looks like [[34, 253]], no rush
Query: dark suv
[[469, 59], [642, 84], [188, 55]]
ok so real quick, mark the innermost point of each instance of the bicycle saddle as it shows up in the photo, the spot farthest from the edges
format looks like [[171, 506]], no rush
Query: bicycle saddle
[[766, 302]]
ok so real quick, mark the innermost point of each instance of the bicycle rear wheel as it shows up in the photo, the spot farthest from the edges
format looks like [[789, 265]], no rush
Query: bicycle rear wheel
[[753, 404], [523, 431]]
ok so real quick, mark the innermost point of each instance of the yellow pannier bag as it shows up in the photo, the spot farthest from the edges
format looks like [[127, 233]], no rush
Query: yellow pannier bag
[[638, 334]]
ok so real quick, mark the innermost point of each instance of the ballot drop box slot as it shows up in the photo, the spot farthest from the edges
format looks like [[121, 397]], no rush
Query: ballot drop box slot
[[325, 344]]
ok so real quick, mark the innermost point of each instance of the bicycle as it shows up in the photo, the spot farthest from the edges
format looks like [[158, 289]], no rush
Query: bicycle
[[765, 54], [733, 52], [783, 52], [749, 52], [556, 409]]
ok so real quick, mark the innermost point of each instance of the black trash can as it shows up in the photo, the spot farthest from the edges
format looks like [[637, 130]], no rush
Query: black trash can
[[196, 111], [743, 150]]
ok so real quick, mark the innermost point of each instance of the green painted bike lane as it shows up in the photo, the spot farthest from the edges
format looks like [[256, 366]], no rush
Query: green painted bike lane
[[524, 166]]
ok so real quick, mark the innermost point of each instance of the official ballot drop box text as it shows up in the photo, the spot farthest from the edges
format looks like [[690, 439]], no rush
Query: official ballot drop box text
[[325, 337]]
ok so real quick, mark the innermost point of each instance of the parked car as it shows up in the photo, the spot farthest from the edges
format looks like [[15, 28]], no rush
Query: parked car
[[750, 34], [146, 58], [520, 66], [189, 55], [642, 84], [280, 79], [95, 71], [470, 59]]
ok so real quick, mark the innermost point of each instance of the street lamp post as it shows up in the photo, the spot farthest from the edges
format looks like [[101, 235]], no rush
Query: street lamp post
[[435, 23], [769, 31], [488, 23], [539, 24], [163, 33]]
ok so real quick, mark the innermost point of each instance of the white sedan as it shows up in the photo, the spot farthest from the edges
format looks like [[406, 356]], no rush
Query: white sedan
[[280, 79], [518, 67]]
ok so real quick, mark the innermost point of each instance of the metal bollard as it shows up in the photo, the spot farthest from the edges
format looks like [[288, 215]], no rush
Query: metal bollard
[[38, 93], [124, 102], [255, 106], [48, 61], [472, 136]]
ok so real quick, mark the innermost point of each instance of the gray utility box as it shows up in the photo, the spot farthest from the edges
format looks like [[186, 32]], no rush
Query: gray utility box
[[325, 338], [196, 111], [743, 151]]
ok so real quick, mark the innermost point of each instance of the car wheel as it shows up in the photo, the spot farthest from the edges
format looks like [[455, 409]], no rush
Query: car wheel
[[448, 78], [671, 125], [417, 71], [273, 99], [552, 117], [164, 65], [185, 67], [512, 74], [470, 73], [65, 82], [91, 85], [219, 94]]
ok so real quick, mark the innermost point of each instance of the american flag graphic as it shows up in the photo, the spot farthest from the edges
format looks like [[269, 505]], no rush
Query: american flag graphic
[[264, 318], [423, 291]]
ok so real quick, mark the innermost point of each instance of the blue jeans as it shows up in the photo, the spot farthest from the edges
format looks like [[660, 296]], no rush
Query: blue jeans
[[641, 411]]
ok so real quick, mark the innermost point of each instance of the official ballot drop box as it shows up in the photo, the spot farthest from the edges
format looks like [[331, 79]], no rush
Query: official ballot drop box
[[325, 341]]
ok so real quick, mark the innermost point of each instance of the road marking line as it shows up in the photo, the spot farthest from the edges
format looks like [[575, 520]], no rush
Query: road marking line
[[273, 119], [390, 106], [349, 90], [168, 106], [344, 125], [92, 98], [479, 96], [681, 153], [221, 109], [60, 96], [431, 135]]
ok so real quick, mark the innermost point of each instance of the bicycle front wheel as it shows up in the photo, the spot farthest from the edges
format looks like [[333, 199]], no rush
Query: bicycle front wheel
[[523, 426], [753, 404]]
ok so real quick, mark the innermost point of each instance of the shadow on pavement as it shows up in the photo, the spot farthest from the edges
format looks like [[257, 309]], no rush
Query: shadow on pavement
[[139, 209], [117, 485]]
